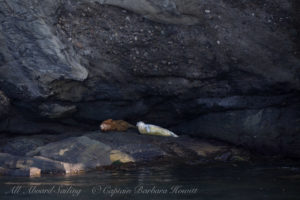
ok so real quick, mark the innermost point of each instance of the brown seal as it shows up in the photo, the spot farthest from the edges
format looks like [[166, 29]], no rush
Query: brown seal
[[115, 125]]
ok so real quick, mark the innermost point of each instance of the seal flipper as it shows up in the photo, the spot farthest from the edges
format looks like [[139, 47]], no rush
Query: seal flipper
[[173, 134]]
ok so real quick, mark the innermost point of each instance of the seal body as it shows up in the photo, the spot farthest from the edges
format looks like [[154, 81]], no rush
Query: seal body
[[115, 125], [150, 129]]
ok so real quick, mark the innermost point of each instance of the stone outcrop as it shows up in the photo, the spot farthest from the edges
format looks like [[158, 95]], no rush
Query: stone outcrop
[[94, 150], [220, 69], [4, 105]]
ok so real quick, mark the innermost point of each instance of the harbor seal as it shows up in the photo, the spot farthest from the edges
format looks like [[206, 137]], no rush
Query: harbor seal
[[150, 129], [115, 125]]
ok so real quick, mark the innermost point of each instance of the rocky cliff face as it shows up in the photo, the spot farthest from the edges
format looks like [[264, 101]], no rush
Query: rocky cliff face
[[223, 69]]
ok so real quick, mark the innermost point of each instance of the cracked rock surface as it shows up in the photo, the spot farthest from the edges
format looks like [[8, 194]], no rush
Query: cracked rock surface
[[223, 69], [93, 150]]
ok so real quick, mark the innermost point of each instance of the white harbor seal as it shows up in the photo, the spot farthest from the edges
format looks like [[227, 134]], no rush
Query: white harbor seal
[[150, 129]]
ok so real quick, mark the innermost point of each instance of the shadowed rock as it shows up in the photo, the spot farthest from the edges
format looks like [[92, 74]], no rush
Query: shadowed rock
[[83, 150], [68, 65], [95, 149], [4, 105]]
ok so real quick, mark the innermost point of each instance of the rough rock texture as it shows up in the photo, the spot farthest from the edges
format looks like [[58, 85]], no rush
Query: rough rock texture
[[221, 69], [21, 146], [268, 130], [4, 105], [76, 150], [96, 149]]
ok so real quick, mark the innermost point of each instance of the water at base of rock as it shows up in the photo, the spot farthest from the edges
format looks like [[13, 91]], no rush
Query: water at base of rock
[[207, 182]]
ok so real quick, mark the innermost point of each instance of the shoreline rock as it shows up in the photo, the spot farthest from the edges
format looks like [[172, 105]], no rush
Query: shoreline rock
[[67, 65], [95, 150]]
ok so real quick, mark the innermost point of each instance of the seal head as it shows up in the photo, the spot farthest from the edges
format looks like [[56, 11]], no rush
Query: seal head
[[140, 124], [142, 127]]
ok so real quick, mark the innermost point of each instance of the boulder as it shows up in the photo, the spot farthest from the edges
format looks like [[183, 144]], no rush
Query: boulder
[[34, 166], [96, 150], [118, 156], [134, 147], [27, 172], [77, 150]]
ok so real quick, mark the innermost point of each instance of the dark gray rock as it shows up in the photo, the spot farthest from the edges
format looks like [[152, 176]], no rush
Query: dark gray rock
[[96, 149], [147, 147], [26, 166], [22, 145], [34, 55], [4, 105], [138, 147], [55, 111], [78, 150], [268, 130], [27, 172], [165, 11], [169, 62]]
